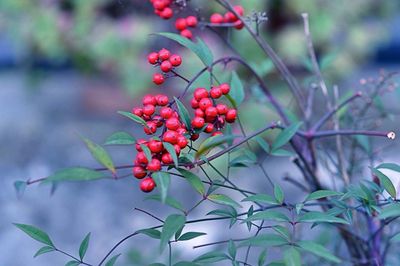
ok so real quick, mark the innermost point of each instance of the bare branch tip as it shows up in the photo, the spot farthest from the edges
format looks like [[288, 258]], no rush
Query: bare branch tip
[[391, 135]]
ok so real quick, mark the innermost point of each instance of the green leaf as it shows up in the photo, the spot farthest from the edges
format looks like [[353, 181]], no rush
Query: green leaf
[[35, 233], [283, 231], [84, 246], [232, 249], [262, 257], [237, 91], [72, 263], [390, 166], [169, 201], [211, 257], [43, 250], [395, 238], [153, 233], [264, 240], [170, 148], [292, 257], [286, 135], [320, 217], [318, 250], [212, 142], [223, 212], [279, 196], [199, 48], [133, 117], [282, 153], [268, 215], [190, 235], [120, 138], [75, 174], [186, 263], [100, 154], [393, 210], [223, 199], [261, 198], [263, 144], [162, 180], [172, 224], [112, 261], [147, 152], [20, 187], [194, 180], [183, 113], [386, 182], [319, 194]]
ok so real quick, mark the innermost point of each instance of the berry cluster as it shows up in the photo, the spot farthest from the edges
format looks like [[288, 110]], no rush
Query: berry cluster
[[229, 17], [166, 61], [182, 24], [162, 8], [209, 115], [173, 133]]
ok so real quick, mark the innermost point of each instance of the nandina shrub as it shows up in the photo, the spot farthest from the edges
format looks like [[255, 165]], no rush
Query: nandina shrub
[[188, 132]]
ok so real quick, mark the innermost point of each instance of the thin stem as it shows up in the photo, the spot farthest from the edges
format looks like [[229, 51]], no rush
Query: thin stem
[[72, 257], [149, 214], [330, 133]]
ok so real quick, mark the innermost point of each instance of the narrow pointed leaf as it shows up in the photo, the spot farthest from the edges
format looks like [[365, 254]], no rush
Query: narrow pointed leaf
[[43, 250], [84, 246], [153, 233], [169, 201], [223, 199], [385, 182], [100, 154], [268, 215], [237, 90], [318, 250], [170, 148], [319, 194], [264, 240], [133, 117], [211, 257], [320, 217], [111, 262], [172, 224], [286, 135], [120, 138], [190, 235], [393, 210], [75, 174], [279, 196], [261, 198], [35, 233], [390, 166], [194, 180], [162, 180], [292, 257]]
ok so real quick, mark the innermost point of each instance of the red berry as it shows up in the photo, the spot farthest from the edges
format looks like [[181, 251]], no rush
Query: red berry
[[180, 24], [200, 93], [182, 142], [239, 10], [154, 165], [198, 122], [239, 25], [230, 17], [216, 18], [166, 66], [139, 172], [209, 128], [147, 184], [172, 123], [159, 4], [194, 103], [137, 111], [167, 158], [138, 142], [149, 99], [194, 137], [210, 119], [181, 130], [170, 136], [215, 92], [177, 149], [152, 58], [231, 115], [187, 33], [167, 13], [221, 121], [164, 54], [151, 128], [155, 146], [211, 111], [198, 112], [162, 99], [175, 60], [141, 158], [191, 21], [205, 103], [222, 109], [166, 112], [149, 109], [158, 78], [225, 88], [216, 133], [158, 120]]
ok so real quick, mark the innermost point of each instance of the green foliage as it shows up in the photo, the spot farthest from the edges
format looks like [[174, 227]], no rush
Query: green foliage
[[224, 200], [100, 154], [36, 234], [183, 113], [237, 91], [193, 180], [172, 224], [84, 246], [162, 179], [120, 138]]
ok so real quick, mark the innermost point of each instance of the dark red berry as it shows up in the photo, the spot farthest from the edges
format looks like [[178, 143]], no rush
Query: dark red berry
[[187, 33], [166, 66], [194, 103], [222, 109], [211, 111], [152, 58], [205, 103], [139, 142], [151, 128], [239, 10], [181, 130], [209, 128], [155, 146], [162, 100], [159, 4], [158, 79], [194, 137], [177, 149], [149, 109], [147, 184], [198, 112], [215, 92], [231, 115], [167, 158], [141, 158], [198, 122], [139, 172], [216, 133], [158, 120], [167, 13], [239, 25], [182, 142], [230, 17], [166, 112], [191, 21], [170, 136], [172, 123], [154, 165], [137, 111], [175, 60]]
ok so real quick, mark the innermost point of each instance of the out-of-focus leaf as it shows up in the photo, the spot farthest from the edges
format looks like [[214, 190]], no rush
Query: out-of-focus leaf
[[162, 180], [286, 135], [268, 215], [390, 166], [237, 90], [112, 261], [43, 250], [190, 235], [386, 182], [223, 199], [133, 117], [393, 210], [194, 180], [153, 233], [318, 250], [319, 194], [120, 138], [264, 240], [261, 198], [292, 257], [211, 143], [278, 192], [169, 201], [100, 154], [211, 257], [75, 174], [20, 187], [320, 217]]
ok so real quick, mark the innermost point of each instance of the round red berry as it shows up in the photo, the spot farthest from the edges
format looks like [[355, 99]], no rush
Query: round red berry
[[209, 128], [159, 4], [158, 79], [198, 112], [200, 93], [149, 109], [231, 115], [151, 128], [194, 103], [149, 99], [167, 13], [139, 172], [211, 111], [210, 119], [215, 92], [158, 120], [216, 18], [181, 130], [166, 66], [198, 122], [141, 158], [172, 123], [166, 158], [239, 10], [187, 33], [147, 184], [180, 24], [230, 17], [139, 142], [154, 165], [170, 136], [162, 100], [155, 146], [137, 111], [205, 103], [225, 88], [239, 25], [191, 21], [194, 137], [164, 54], [182, 142], [152, 58], [175, 60], [222, 108], [166, 112]]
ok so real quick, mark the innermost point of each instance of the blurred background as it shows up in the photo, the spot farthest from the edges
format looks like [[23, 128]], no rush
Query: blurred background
[[67, 66]]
